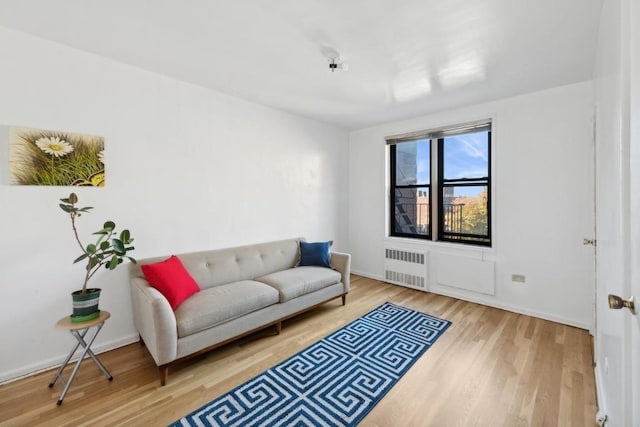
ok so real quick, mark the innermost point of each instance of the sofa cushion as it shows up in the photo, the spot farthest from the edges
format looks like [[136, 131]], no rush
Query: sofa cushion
[[171, 279], [299, 281], [223, 303], [316, 253]]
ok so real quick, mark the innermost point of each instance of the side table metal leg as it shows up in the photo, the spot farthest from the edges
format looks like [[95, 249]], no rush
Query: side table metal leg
[[86, 346], [58, 374], [100, 365], [96, 360]]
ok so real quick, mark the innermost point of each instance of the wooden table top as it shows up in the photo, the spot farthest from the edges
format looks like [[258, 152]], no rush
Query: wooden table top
[[66, 323]]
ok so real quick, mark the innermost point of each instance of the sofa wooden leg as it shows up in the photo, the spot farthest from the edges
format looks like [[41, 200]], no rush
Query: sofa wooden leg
[[164, 374], [278, 328], [344, 299]]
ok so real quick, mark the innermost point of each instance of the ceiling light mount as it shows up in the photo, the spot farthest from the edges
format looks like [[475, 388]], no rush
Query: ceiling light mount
[[335, 63]]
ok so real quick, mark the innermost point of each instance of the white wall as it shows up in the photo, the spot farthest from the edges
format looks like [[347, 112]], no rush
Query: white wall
[[187, 169], [543, 202]]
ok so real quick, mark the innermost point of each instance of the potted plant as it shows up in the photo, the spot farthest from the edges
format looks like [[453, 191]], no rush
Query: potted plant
[[109, 251]]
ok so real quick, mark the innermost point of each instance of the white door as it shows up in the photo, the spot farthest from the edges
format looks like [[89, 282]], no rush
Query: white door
[[617, 214], [610, 266], [633, 353]]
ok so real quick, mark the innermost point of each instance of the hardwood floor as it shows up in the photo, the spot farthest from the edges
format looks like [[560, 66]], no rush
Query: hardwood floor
[[491, 368]]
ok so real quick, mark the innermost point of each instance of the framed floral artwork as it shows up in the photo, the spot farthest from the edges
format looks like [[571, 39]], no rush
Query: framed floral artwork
[[47, 157]]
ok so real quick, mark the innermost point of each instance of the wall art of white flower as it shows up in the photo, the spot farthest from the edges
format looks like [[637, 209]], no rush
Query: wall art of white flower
[[47, 157], [54, 146]]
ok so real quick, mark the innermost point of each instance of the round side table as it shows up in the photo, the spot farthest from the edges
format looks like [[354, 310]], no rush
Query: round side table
[[79, 331]]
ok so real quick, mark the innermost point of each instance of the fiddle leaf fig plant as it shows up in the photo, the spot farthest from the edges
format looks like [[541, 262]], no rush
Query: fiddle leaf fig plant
[[110, 248]]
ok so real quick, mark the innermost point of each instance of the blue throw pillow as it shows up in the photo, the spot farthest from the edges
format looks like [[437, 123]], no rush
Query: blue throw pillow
[[315, 254]]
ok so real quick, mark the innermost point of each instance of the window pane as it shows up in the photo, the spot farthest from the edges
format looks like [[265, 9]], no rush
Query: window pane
[[412, 211], [464, 210], [413, 162], [466, 156]]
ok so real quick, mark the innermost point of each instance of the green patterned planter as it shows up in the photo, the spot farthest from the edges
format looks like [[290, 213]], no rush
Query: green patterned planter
[[85, 307]]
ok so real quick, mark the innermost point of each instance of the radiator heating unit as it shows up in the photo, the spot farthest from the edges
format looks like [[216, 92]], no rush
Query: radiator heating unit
[[406, 267]]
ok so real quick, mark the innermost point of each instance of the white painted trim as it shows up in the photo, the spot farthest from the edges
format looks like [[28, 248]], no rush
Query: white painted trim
[[490, 302], [600, 396], [367, 275], [450, 292], [434, 245], [36, 368]]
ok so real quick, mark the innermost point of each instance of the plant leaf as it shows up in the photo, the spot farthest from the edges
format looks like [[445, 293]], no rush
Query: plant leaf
[[93, 261], [80, 258], [104, 246], [133, 260], [91, 248], [125, 236], [113, 263], [109, 225], [73, 198], [67, 208], [118, 246]]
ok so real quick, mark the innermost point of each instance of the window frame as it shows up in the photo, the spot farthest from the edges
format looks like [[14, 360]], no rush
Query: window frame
[[394, 186], [466, 238], [438, 183]]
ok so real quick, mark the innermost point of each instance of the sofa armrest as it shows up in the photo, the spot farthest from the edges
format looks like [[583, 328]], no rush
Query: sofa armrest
[[155, 321], [341, 262]]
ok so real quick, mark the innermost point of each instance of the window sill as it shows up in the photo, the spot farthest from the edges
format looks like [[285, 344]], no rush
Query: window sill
[[459, 248]]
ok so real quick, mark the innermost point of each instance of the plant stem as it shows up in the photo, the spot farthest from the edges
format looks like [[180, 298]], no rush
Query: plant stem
[[90, 271], [95, 270], [75, 232]]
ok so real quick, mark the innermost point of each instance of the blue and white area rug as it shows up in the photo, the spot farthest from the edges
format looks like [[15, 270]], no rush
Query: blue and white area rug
[[334, 382]]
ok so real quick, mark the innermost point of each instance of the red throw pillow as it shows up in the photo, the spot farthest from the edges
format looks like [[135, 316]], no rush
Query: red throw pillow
[[171, 279]]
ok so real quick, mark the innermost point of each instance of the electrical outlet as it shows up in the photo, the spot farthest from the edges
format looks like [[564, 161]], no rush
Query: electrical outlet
[[517, 278]]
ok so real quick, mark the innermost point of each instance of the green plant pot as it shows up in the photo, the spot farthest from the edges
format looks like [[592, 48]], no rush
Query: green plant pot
[[85, 307]]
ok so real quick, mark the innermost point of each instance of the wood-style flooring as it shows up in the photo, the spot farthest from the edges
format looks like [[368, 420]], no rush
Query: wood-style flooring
[[491, 368]]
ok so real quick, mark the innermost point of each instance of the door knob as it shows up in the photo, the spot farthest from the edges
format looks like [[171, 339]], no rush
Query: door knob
[[616, 303]]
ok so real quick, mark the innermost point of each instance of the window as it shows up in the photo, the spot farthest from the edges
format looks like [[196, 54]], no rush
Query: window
[[444, 175], [411, 188]]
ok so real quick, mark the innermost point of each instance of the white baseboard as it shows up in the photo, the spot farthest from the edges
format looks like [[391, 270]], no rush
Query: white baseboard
[[367, 275], [45, 365], [491, 302]]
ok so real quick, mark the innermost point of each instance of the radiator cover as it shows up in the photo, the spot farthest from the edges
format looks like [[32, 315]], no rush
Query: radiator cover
[[406, 267]]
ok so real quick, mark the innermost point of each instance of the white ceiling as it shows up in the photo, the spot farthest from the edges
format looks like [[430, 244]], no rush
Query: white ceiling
[[405, 57]]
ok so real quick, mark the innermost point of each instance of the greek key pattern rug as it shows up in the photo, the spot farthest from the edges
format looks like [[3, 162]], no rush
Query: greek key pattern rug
[[334, 382]]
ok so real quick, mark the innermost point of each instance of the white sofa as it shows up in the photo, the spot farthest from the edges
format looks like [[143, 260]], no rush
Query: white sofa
[[242, 290]]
